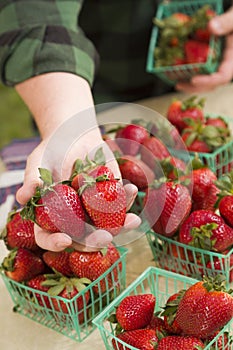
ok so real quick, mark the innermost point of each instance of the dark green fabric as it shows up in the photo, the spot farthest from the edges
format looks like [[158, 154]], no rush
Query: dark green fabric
[[104, 41]]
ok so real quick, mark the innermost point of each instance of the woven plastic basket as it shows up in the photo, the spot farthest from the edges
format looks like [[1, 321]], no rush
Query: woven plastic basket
[[76, 323], [162, 284], [172, 74], [189, 261]]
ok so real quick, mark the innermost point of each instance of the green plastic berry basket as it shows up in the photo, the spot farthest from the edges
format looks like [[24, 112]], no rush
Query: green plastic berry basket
[[189, 261], [160, 283], [172, 74], [77, 323]]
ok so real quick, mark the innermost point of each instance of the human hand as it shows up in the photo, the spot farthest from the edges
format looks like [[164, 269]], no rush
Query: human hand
[[62, 170], [221, 25]]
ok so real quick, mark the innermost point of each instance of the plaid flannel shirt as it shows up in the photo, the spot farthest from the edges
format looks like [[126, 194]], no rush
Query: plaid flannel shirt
[[104, 41]]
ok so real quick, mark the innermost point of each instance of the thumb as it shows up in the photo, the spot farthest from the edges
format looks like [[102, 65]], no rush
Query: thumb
[[223, 24]]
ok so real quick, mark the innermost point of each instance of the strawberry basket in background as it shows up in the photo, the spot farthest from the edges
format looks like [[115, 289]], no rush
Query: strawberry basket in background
[[162, 284], [76, 322], [171, 73], [187, 260]]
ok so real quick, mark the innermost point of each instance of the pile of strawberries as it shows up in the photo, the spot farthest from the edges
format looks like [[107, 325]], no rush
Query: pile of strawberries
[[92, 195], [182, 201], [190, 319], [184, 39], [200, 133]]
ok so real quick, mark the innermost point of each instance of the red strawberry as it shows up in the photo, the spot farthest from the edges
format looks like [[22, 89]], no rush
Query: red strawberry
[[104, 200], [19, 232], [158, 324], [173, 342], [58, 261], [112, 144], [170, 322], [152, 150], [220, 123], [207, 230], [225, 207], [92, 265], [36, 283], [64, 287], [205, 308], [135, 311], [130, 137], [204, 190], [145, 339], [200, 21], [56, 208], [21, 265], [195, 142], [179, 111], [173, 167], [196, 51], [135, 171], [167, 206]]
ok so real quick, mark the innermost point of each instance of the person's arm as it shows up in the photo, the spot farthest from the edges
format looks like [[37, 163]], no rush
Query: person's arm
[[221, 26]]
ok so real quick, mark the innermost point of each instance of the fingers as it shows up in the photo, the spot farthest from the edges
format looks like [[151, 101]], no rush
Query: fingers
[[223, 24], [31, 175], [51, 241], [132, 221], [131, 193]]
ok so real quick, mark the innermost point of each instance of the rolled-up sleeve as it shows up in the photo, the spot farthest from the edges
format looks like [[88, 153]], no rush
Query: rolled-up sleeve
[[41, 36]]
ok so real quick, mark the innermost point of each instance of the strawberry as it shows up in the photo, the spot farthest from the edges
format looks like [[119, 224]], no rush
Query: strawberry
[[58, 261], [135, 171], [197, 51], [207, 230], [199, 23], [225, 197], [145, 339], [92, 265], [22, 264], [170, 322], [179, 111], [36, 283], [205, 308], [19, 232], [173, 167], [220, 124], [225, 207], [130, 137], [152, 150], [104, 200], [135, 311], [195, 143], [67, 288], [204, 191], [174, 342], [158, 324], [173, 205], [56, 207]]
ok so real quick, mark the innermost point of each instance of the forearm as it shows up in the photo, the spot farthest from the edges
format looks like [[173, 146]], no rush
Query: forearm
[[53, 98]]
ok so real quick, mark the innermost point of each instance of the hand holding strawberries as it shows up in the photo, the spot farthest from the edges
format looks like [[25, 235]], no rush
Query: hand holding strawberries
[[220, 26], [92, 195]]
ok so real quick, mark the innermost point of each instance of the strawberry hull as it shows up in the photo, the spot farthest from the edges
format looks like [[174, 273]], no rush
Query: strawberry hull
[[66, 316]]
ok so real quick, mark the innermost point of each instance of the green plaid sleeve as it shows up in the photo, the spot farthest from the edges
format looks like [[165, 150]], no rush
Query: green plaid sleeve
[[39, 36]]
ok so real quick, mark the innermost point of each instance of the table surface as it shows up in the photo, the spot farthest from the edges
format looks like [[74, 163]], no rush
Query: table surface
[[20, 333]]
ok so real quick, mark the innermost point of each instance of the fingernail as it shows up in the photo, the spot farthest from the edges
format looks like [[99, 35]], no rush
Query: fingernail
[[65, 241], [216, 26]]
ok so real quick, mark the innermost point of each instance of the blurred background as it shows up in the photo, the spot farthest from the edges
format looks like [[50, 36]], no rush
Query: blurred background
[[15, 119]]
